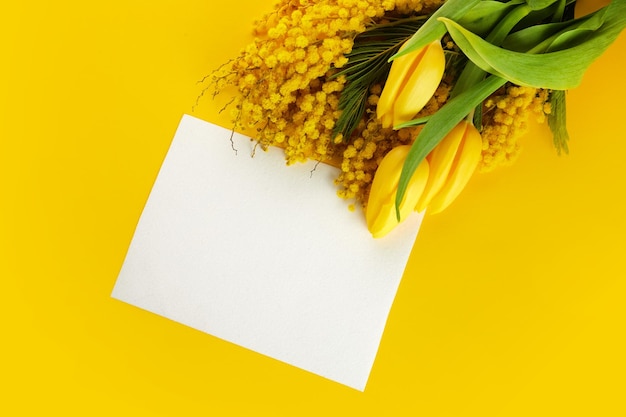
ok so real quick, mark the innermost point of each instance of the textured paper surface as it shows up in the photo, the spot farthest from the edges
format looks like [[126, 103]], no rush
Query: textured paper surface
[[263, 255]]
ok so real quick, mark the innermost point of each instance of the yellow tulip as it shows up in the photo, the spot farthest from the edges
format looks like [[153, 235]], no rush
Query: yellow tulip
[[412, 81], [452, 164], [380, 214]]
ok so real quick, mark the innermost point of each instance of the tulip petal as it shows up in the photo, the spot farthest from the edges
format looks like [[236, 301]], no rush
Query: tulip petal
[[421, 84], [400, 71], [385, 183], [387, 220], [465, 163], [441, 161], [414, 191], [381, 213], [412, 81]]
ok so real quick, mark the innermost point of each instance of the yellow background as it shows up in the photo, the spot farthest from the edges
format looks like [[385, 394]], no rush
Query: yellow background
[[512, 304]]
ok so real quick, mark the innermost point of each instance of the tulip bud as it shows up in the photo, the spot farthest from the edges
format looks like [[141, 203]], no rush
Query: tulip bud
[[452, 164], [412, 81], [381, 207]]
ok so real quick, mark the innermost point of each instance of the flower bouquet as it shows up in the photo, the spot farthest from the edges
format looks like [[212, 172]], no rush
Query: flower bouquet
[[409, 98]]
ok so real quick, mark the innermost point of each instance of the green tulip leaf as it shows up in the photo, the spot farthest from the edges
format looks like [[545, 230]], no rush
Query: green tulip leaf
[[553, 37], [433, 29], [559, 70], [552, 13], [526, 39], [472, 73], [485, 15], [559, 11], [577, 35], [540, 4]]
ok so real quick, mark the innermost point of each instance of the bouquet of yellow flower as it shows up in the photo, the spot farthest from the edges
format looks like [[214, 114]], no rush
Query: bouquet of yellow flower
[[409, 98]]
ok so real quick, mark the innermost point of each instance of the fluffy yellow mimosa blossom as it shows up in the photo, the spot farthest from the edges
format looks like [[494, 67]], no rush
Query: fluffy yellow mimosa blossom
[[414, 6], [412, 81], [287, 97], [381, 213], [506, 116]]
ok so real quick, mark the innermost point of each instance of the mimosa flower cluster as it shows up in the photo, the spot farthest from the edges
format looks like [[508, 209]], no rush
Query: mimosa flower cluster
[[506, 121], [288, 96]]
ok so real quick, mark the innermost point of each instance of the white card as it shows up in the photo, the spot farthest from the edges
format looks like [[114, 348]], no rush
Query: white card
[[263, 255]]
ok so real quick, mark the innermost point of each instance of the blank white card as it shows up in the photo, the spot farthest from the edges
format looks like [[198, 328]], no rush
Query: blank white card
[[263, 255]]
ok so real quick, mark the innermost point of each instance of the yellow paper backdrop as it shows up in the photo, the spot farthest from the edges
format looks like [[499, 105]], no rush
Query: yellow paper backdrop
[[513, 300]]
